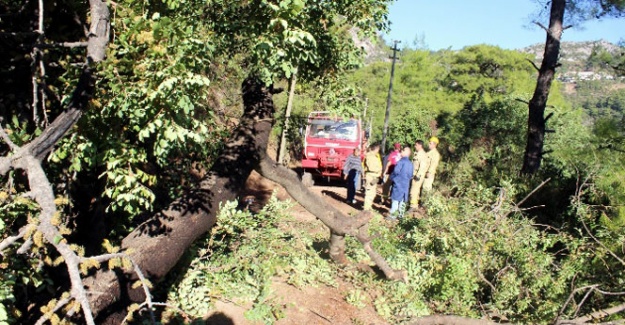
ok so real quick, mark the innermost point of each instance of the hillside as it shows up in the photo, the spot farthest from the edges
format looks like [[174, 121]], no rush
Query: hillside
[[575, 58], [573, 51]]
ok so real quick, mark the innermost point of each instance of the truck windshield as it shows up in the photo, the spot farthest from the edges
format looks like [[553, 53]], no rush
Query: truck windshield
[[329, 129]]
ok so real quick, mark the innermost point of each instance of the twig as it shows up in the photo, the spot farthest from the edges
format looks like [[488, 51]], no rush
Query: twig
[[318, 314], [532, 208], [7, 139], [483, 278], [581, 303], [533, 191], [610, 293], [516, 206], [186, 316], [12, 239], [542, 26], [46, 316], [62, 45], [601, 244], [548, 31], [37, 65], [591, 288], [138, 272], [28, 243], [537, 69], [597, 315], [568, 300]]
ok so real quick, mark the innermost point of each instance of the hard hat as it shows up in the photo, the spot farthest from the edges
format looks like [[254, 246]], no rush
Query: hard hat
[[434, 139], [397, 145]]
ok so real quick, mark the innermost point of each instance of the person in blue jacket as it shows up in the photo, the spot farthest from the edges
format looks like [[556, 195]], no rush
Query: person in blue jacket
[[401, 177]]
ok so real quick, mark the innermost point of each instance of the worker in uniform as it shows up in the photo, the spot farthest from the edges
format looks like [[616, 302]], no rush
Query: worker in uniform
[[373, 172], [420, 162], [434, 158]]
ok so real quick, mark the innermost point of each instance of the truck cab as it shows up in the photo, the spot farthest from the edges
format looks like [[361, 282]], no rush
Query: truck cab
[[328, 141]]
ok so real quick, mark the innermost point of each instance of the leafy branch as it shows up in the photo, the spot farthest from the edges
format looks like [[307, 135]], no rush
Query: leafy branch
[[48, 226], [28, 158]]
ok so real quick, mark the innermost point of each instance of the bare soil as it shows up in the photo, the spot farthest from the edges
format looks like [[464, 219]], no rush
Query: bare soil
[[310, 305]]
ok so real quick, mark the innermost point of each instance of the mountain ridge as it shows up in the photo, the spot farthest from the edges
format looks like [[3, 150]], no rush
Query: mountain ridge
[[575, 57]]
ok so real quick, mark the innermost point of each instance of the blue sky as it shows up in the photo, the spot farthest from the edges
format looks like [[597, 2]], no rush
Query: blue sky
[[506, 23]]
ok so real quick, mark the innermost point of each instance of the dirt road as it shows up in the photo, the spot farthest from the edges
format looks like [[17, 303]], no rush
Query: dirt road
[[321, 305]]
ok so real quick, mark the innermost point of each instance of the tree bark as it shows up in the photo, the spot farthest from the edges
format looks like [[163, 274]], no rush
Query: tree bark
[[157, 244], [536, 120]]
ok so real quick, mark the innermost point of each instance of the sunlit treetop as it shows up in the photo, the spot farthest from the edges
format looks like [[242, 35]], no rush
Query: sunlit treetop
[[279, 37]]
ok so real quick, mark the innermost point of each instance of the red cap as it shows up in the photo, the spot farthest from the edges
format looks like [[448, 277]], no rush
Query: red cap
[[397, 145]]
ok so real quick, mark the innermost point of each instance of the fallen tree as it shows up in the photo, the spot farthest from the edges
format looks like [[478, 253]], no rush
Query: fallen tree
[[157, 244]]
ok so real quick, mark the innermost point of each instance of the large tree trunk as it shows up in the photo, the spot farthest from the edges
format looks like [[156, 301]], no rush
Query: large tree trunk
[[536, 120], [157, 244]]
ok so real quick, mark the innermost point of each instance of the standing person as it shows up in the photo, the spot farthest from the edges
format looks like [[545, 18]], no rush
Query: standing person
[[434, 158], [420, 162], [373, 171], [401, 177], [352, 169], [392, 158]]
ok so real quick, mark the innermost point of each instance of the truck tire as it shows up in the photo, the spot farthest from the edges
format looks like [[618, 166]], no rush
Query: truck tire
[[307, 179]]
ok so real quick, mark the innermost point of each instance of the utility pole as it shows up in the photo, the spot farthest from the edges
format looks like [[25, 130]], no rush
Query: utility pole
[[287, 116], [364, 120], [388, 98]]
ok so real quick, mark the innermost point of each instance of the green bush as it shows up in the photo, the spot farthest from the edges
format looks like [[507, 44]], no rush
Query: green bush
[[241, 257]]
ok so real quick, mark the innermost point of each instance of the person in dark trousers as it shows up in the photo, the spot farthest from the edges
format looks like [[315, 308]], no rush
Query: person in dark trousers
[[352, 169], [401, 178], [390, 161]]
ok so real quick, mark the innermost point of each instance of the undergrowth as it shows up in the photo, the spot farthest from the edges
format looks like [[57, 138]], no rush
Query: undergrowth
[[241, 257], [476, 256]]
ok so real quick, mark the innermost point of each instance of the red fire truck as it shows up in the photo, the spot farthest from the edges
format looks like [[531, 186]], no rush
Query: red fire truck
[[328, 141]]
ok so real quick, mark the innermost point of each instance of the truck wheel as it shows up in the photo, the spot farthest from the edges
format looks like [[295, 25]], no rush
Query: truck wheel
[[307, 179]]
